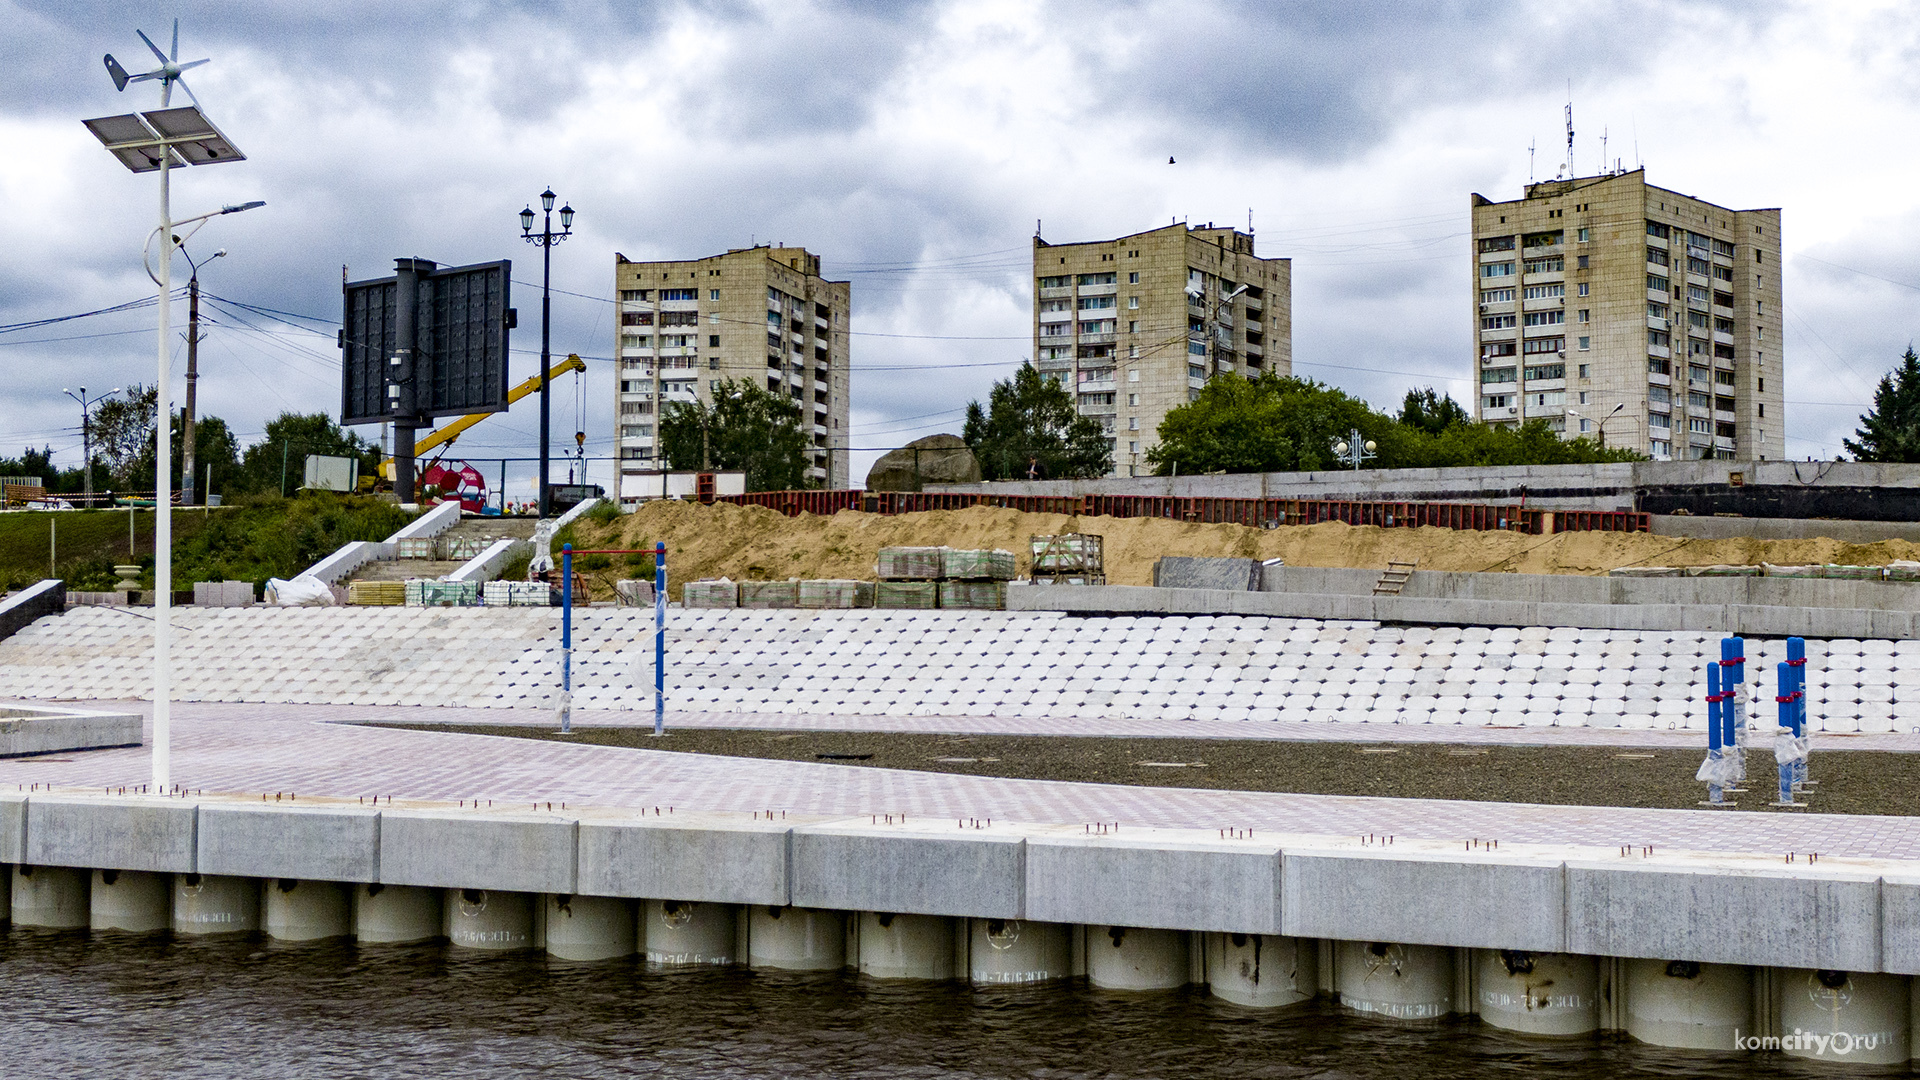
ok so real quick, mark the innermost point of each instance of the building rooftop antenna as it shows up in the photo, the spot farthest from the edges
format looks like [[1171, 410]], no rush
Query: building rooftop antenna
[[1530, 143], [1570, 172], [1605, 161]]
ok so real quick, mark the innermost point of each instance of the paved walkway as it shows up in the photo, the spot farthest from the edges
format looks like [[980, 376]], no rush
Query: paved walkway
[[259, 748]]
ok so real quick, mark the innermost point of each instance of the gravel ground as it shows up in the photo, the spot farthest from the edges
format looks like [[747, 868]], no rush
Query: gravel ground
[[1850, 782]]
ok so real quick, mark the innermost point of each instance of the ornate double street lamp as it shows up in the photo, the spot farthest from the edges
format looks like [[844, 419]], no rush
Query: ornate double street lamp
[[546, 238], [86, 434]]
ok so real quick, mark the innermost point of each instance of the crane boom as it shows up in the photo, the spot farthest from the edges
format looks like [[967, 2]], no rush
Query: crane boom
[[445, 435]]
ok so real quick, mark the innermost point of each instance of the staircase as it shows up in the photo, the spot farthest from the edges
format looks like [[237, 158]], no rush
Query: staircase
[[1395, 578], [483, 530]]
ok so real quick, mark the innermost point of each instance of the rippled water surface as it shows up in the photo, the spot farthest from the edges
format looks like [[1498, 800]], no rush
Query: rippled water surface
[[76, 1006]]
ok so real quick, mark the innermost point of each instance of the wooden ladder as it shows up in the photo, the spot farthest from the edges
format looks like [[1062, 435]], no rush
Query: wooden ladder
[[1395, 578]]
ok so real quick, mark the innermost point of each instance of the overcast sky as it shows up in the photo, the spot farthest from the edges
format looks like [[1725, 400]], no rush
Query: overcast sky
[[913, 146]]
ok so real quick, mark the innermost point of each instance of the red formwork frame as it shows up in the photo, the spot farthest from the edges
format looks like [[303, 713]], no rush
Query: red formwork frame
[[1260, 513]]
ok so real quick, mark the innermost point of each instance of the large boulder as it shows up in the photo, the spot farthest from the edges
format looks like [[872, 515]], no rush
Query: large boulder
[[936, 459]]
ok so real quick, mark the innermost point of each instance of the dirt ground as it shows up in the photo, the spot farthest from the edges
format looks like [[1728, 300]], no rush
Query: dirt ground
[[753, 543], [1850, 782]]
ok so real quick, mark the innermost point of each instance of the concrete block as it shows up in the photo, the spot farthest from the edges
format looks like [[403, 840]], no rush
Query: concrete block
[[1171, 879], [1718, 911], [43, 598], [25, 731], [318, 843], [936, 867], [1431, 897], [478, 849], [13, 829], [706, 857], [1192, 572], [111, 832], [1900, 923]]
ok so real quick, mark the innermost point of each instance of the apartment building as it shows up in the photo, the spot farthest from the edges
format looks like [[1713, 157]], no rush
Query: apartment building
[[762, 314], [1135, 326], [1613, 308]]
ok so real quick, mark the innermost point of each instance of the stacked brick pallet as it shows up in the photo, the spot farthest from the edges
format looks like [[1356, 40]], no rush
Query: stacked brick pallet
[[911, 578]]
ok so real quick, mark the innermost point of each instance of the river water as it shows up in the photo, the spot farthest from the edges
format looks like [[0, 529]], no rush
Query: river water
[[209, 1009]]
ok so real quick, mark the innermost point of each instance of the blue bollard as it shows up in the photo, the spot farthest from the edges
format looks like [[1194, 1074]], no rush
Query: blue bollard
[[1715, 748], [1733, 666], [1784, 699], [1797, 660], [660, 637], [566, 638]]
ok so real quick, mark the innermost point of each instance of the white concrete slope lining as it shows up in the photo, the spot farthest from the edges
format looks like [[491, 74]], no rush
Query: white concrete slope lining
[[937, 663]]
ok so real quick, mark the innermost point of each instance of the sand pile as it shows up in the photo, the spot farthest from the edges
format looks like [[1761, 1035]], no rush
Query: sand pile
[[753, 543]]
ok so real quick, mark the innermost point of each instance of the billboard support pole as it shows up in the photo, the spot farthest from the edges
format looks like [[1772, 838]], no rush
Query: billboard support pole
[[401, 397]]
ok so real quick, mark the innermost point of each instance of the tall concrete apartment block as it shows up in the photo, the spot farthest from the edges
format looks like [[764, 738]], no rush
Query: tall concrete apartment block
[[762, 314], [1606, 300], [1136, 326]]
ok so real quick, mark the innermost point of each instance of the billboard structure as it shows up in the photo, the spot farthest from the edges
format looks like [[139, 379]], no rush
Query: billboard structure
[[424, 343]]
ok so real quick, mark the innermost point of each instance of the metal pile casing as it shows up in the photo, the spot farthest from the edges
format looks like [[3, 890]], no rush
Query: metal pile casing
[[711, 594], [974, 595], [911, 564], [977, 565], [376, 593], [769, 594], [836, 593], [908, 595], [426, 592]]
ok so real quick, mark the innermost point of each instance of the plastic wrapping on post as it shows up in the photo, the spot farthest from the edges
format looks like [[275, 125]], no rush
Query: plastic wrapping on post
[[1717, 771], [1788, 750]]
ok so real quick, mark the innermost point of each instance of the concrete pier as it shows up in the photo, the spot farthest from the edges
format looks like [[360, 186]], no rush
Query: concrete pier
[[796, 939], [50, 897], [131, 901], [295, 910], [1131, 958], [1860, 1018], [206, 904], [1537, 993], [904, 946], [1688, 1005], [1262, 971], [1394, 981], [396, 914], [684, 933], [493, 920], [588, 928], [1015, 951]]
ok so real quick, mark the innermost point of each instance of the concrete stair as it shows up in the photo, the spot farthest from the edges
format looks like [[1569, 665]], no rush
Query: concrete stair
[[485, 529]]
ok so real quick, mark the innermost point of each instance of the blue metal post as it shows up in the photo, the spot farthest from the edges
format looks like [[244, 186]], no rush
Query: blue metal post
[[566, 637], [1797, 659], [1733, 674], [660, 638], [1714, 729], [1783, 697]]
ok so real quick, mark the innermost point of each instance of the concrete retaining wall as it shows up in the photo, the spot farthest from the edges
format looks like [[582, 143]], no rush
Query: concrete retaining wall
[[1856, 915], [28, 731], [48, 597]]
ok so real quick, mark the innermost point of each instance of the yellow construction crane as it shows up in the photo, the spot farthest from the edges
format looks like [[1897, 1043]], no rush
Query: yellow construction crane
[[445, 436]]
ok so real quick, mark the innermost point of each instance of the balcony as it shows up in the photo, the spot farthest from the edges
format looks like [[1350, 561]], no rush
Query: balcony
[[1056, 316], [679, 305], [1656, 323], [1096, 386], [1658, 296], [1099, 290], [1097, 339], [1544, 303], [1098, 410], [1655, 378], [1064, 292], [1721, 337], [1660, 351]]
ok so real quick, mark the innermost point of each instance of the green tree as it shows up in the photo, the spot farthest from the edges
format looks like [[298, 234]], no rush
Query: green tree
[[1269, 423], [743, 427], [1030, 423], [280, 455], [122, 431], [213, 444], [1891, 430], [1431, 411], [39, 463]]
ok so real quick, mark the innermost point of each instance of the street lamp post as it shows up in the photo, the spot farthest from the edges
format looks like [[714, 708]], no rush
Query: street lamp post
[[86, 434], [193, 376], [546, 238], [1354, 450]]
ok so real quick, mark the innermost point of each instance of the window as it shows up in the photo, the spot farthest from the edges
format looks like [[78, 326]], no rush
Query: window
[[1698, 294], [1061, 304], [637, 341], [1133, 376], [1583, 236], [1133, 278], [1657, 366], [1659, 448], [1133, 423], [1498, 375], [1697, 319], [1547, 264], [1196, 348], [1723, 326], [1698, 400], [1133, 327], [1696, 375], [1055, 282], [713, 294], [1763, 408], [1659, 395], [1723, 247], [1656, 310], [1195, 371], [1586, 343], [1498, 401], [1583, 288], [1658, 339], [1723, 378], [670, 295], [1547, 398], [1657, 230], [1544, 292], [1499, 348], [1699, 266], [1133, 303], [1699, 425], [713, 341], [1696, 240], [1496, 296], [1095, 303], [1544, 345], [1095, 279], [1498, 322], [1133, 399], [1656, 257], [1585, 316], [1723, 404], [636, 318], [1547, 371], [1545, 318], [1098, 326], [1496, 270], [1544, 239], [679, 318], [631, 295], [1656, 283], [1723, 273], [1133, 448], [1724, 300], [1581, 263], [1583, 370], [1723, 352], [1496, 243], [1058, 329], [1659, 420]]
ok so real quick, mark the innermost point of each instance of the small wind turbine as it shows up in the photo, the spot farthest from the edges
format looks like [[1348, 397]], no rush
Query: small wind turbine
[[169, 71]]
